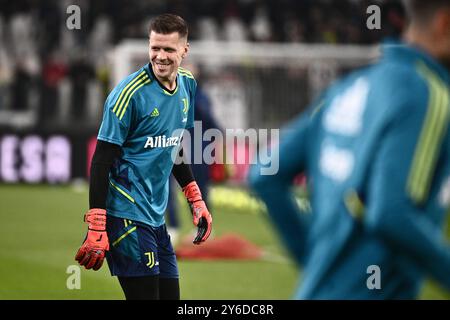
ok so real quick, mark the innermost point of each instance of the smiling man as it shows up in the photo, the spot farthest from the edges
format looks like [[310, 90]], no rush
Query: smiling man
[[130, 169]]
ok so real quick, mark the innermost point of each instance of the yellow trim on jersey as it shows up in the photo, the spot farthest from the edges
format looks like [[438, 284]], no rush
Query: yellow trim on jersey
[[185, 72], [126, 99], [354, 204], [188, 75], [126, 195], [139, 85], [171, 94], [127, 222], [125, 90], [123, 236], [431, 136]]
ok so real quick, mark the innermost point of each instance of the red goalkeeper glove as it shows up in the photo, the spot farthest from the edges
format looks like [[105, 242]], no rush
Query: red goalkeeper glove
[[92, 252], [202, 219]]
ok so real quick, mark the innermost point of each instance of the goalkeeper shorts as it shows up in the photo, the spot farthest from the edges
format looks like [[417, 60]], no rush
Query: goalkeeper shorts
[[137, 249]]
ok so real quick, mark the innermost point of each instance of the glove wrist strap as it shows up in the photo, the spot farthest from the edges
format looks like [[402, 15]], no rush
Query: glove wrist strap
[[192, 192], [96, 219]]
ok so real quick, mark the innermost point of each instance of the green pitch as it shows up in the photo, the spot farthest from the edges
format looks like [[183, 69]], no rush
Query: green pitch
[[41, 229]]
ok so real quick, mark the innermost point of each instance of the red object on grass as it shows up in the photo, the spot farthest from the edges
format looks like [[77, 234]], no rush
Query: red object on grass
[[227, 246]]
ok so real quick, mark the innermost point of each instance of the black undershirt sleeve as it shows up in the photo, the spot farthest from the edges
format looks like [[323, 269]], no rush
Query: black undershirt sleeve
[[182, 172], [104, 156]]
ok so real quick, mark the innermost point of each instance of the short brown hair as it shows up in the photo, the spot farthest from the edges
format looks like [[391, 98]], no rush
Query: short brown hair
[[422, 11], [168, 23]]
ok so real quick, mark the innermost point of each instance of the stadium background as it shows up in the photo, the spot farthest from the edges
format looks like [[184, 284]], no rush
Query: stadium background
[[260, 62]]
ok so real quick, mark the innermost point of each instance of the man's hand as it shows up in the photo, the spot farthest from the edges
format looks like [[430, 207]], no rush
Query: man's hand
[[202, 219], [92, 252]]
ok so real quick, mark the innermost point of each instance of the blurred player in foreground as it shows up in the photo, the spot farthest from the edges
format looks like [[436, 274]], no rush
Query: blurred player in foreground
[[128, 194], [376, 150]]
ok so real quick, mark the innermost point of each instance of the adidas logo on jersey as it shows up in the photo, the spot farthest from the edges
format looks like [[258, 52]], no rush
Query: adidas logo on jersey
[[154, 113], [161, 142]]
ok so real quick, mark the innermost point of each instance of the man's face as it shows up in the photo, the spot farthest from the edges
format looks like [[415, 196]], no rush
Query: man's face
[[166, 53]]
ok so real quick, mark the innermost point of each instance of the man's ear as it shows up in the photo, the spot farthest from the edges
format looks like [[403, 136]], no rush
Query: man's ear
[[441, 21], [186, 50], [444, 22]]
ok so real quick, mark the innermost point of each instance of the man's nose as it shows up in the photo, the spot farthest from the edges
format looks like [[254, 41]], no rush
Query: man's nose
[[162, 55]]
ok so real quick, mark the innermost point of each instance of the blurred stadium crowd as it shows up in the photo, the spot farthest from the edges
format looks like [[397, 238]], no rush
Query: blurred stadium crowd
[[42, 62]]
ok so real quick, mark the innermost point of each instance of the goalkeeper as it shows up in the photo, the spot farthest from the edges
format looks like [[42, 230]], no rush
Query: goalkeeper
[[376, 150], [140, 131]]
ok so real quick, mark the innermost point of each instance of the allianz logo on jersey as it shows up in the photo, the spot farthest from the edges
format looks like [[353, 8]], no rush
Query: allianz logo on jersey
[[162, 142]]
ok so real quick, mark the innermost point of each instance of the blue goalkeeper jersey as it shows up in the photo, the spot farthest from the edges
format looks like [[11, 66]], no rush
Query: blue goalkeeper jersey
[[147, 121], [376, 150]]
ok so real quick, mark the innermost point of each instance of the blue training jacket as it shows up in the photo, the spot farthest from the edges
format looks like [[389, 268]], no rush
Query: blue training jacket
[[376, 150]]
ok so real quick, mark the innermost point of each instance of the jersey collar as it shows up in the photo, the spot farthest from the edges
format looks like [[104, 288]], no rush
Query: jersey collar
[[148, 68], [404, 52]]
